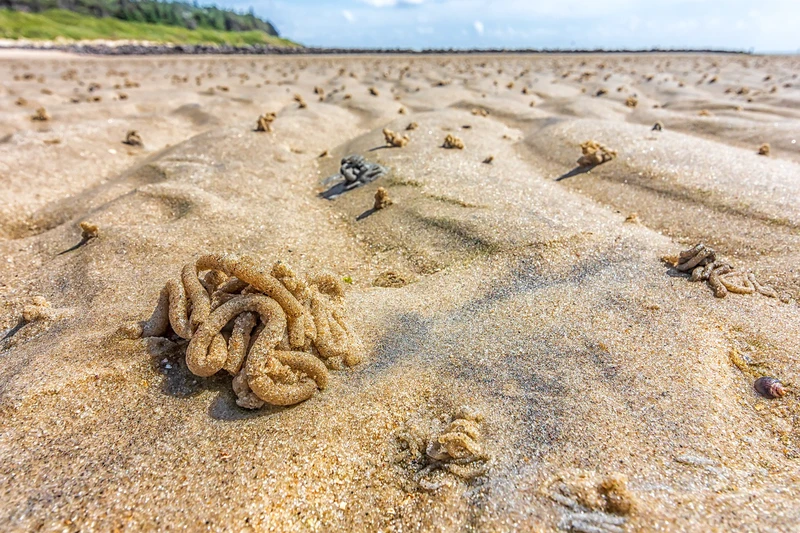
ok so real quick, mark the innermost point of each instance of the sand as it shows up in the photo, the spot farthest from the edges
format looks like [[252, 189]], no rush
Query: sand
[[515, 287]]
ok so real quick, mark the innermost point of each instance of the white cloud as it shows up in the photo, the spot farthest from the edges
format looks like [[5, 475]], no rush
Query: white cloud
[[348, 15], [393, 3], [765, 25]]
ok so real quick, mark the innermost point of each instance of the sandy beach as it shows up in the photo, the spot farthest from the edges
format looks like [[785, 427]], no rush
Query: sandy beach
[[507, 291]]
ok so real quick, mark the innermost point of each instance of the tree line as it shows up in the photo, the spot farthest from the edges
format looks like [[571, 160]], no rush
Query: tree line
[[185, 15]]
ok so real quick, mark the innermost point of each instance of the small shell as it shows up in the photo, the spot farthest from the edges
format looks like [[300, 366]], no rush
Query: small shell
[[769, 387]]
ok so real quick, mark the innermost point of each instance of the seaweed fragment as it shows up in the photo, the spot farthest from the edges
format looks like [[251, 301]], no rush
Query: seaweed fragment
[[354, 171], [357, 171]]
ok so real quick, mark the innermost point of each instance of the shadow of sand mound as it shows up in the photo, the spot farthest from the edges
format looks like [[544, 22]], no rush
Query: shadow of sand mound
[[60, 212], [196, 114]]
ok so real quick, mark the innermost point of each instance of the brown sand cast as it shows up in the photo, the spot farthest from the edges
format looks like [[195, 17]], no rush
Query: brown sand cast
[[451, 141], [41, 115], [603, 390], [702, 262], [132, 138], [265, 121], [301, 103], [382, 200], [395, 139], [595, 154], [298, 319]]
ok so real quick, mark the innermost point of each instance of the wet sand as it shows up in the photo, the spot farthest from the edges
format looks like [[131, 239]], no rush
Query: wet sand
[[523, 288]]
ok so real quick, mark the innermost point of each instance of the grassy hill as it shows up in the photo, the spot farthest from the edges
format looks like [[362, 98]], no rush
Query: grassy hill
[[169, 12], [58, 23]]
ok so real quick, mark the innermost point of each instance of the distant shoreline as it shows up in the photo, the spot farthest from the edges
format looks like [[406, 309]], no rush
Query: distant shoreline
[[109, 48]]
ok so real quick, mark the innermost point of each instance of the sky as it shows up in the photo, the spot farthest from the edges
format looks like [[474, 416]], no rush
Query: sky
[[761, 25]]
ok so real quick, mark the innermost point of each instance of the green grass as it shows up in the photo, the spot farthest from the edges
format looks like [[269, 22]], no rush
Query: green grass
[[57, 23]]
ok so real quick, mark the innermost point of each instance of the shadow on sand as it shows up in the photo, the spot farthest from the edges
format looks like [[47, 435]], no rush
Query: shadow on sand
[[575, 172]]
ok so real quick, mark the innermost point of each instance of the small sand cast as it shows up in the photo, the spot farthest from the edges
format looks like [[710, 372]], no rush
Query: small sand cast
[[702, 262]]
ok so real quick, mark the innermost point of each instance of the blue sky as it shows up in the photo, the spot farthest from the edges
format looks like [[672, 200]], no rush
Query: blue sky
[[764, 25]]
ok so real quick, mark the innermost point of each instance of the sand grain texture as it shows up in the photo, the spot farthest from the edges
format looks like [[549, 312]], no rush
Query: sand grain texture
[[614, 392]]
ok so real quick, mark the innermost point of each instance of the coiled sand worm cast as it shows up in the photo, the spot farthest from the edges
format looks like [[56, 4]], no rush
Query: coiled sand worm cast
[[275, 332], [722, 277]]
